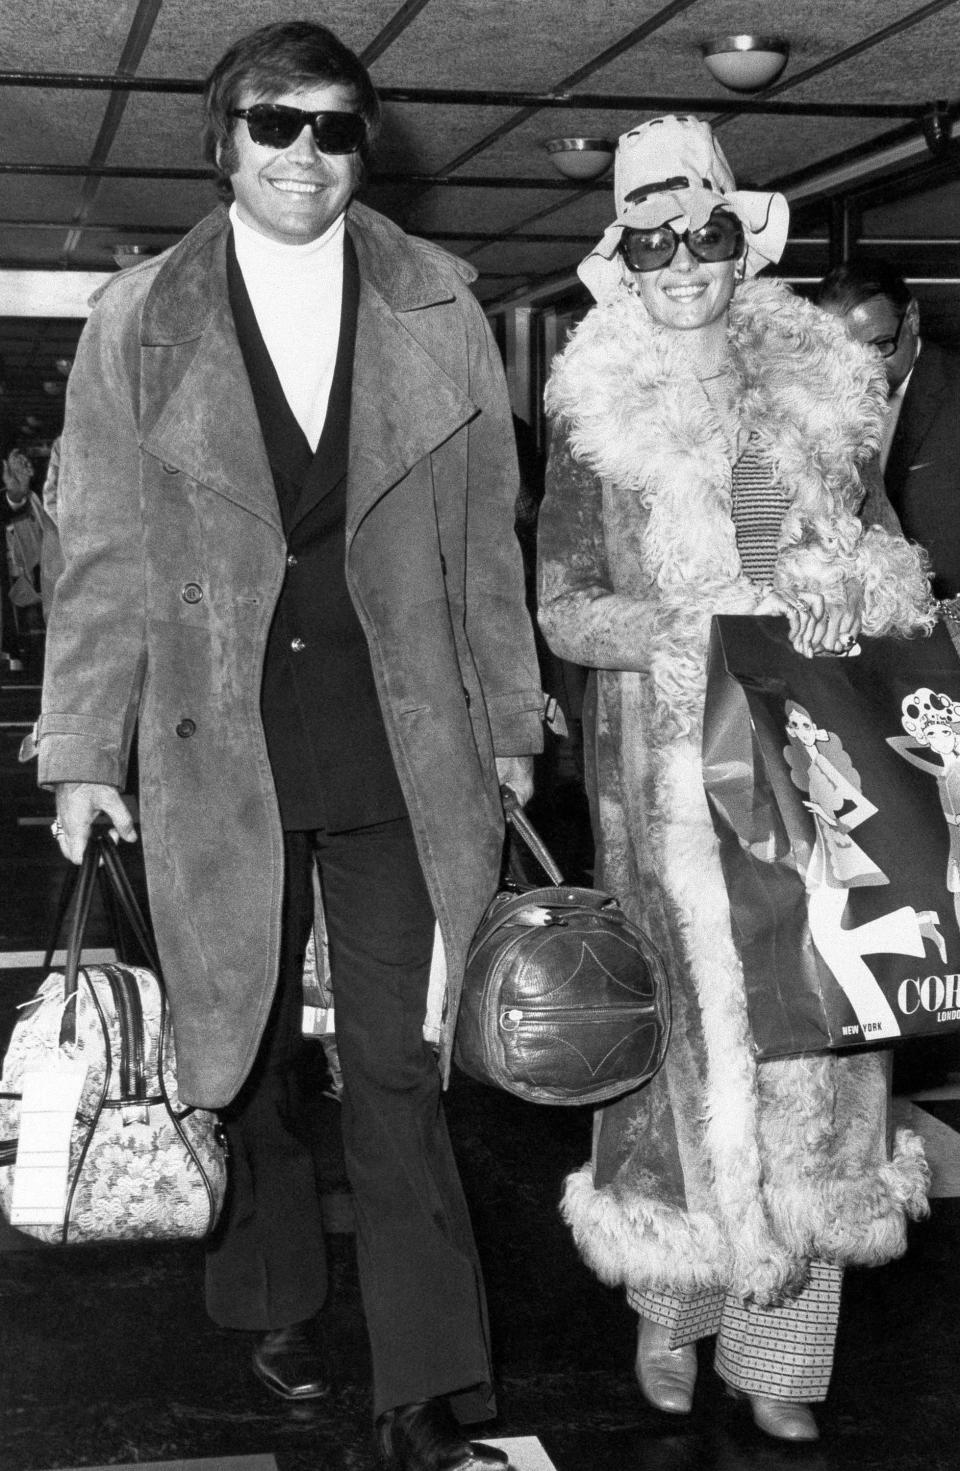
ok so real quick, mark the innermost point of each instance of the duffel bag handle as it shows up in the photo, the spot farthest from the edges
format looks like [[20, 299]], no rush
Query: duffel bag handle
[[99, 856], [525, 830]]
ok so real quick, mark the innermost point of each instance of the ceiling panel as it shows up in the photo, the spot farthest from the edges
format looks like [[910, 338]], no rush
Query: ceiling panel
[[159, 131], [84, 35], [526, 46], [42, 126], [188, 38], [420, 138], [27, 197]]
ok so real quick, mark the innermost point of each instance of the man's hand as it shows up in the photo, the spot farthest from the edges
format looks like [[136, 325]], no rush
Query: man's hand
[[78, 803], [517, 772]]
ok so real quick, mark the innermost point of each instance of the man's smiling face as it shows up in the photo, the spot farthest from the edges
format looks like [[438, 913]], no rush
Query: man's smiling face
[[292, 195]]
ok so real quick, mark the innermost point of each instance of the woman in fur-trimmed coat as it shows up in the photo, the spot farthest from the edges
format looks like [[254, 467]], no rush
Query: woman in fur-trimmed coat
[[706, 460]]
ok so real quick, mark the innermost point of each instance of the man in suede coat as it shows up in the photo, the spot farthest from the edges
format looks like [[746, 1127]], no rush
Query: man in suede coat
[[321, 640]]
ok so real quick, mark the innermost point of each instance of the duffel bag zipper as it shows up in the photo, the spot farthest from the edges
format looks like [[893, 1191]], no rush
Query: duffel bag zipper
[[513, 1017]]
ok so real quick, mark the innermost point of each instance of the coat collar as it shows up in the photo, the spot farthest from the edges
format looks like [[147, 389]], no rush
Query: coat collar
[[180, 303], [404, 403]]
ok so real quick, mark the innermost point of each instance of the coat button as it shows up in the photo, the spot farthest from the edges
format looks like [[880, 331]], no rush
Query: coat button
[[191, 592], [291, 560], [169, 469], [297, 645], [466, 696], [186, 728]]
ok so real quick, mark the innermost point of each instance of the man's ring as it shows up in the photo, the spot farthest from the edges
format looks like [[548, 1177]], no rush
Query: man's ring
[[57, 828]]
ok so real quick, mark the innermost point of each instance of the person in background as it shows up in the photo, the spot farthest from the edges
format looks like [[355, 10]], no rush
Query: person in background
[[709, 434], [285, 507], [920, 447], [51, 556], [20, 558]]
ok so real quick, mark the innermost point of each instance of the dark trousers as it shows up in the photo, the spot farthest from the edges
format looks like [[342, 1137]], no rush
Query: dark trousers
[[419, 1276]]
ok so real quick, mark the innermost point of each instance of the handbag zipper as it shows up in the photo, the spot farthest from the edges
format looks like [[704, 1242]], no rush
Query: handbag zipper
[[513, 1017]]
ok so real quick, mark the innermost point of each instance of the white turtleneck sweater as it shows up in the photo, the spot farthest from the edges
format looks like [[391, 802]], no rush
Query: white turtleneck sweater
[[296, 292]]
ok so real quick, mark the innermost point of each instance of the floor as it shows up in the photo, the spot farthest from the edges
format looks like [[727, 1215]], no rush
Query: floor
[[107, 1358]]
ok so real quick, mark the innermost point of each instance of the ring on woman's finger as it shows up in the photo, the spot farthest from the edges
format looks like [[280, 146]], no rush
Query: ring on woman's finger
[[57, 828]]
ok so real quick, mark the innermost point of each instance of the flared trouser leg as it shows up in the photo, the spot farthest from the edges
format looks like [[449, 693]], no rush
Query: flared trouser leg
[[419, 1274], [785, 1352]]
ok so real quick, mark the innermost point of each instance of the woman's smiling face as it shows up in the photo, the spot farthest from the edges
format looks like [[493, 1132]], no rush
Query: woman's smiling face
[[687, 294]]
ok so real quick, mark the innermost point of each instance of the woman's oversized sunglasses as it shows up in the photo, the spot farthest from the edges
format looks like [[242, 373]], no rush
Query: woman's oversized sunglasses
[[274, 126], [721, 238]]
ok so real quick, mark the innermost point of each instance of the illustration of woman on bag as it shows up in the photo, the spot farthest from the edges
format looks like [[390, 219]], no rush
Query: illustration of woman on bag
[[821, 767], [933, 720]]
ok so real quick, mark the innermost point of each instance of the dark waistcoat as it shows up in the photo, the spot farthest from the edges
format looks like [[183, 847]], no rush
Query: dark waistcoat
[[325, 735]]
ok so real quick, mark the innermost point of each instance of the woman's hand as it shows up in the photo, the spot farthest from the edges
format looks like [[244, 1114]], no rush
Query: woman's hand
[[817, 626]]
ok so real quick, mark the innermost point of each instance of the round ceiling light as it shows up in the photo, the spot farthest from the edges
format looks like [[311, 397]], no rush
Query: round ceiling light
[[580, 158], [745, 63]]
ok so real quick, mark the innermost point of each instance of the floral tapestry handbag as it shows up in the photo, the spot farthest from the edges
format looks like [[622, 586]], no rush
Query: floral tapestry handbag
[[95, 1144], [564, 1000]]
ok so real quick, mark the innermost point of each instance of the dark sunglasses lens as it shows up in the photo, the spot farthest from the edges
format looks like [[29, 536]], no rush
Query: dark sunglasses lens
[[721, 238], [273, 127], [648, 250], [338, 132]]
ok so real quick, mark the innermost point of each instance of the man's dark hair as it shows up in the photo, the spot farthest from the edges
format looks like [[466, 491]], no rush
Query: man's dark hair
[[855, 281], [269, 62]]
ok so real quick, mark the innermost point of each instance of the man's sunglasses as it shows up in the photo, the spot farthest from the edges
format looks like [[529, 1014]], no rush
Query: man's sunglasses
[[721, 238], [887, 346], [275, 126]]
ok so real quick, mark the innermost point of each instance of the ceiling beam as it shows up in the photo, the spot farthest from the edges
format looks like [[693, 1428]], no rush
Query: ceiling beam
[[557, 98]]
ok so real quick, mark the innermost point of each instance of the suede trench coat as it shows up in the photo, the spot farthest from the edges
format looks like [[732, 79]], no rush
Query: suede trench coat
[[174, 560]]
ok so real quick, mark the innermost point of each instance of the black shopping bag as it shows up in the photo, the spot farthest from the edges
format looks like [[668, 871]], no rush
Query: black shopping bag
[[834, 785]]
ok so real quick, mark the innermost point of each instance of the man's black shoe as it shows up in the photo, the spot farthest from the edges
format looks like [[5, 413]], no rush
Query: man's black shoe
[[426, 1437], [287, 1360]]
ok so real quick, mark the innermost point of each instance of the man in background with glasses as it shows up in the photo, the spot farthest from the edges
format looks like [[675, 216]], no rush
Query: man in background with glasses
[[920, 454], [285, 505]]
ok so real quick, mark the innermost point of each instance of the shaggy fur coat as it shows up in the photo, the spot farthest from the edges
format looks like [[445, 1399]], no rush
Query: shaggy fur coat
[[722, 1173]]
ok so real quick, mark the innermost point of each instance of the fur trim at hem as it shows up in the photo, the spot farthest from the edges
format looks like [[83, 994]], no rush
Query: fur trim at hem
[[866, 1225], [641, 1243]]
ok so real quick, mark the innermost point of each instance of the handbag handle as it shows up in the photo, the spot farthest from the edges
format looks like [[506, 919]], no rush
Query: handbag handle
[[100, 856], [526, 831]]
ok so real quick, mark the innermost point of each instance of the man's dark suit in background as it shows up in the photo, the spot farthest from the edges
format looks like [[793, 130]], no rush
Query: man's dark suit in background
[[922, 473]]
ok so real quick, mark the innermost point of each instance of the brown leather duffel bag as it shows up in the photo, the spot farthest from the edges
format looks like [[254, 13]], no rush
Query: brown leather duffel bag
[[564, 999]]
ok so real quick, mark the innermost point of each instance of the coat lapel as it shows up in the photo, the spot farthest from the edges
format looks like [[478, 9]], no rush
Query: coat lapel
[[403, 403], [206, 422]]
